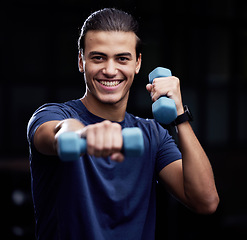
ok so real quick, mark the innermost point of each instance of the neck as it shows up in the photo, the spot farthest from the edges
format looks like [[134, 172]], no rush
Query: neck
[[113, 112]]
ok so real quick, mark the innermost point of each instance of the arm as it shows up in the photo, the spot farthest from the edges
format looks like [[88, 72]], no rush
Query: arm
[[45, 137], [103, 139], [190, 179]]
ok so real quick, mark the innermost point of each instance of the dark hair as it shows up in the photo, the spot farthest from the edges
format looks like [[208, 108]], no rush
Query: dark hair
[[110, 19]]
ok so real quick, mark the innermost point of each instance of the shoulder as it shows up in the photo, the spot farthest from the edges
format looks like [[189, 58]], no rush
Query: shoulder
[[67, 109], [51, 112]]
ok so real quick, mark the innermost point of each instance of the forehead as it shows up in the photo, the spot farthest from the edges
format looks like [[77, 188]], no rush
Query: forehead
[[110, 42]]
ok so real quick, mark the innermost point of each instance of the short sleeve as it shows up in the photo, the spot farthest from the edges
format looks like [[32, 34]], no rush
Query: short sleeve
[[168, 151], [48, 112]]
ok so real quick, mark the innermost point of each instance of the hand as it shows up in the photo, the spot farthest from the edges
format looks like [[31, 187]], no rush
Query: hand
[[104, 139], [167, 86]]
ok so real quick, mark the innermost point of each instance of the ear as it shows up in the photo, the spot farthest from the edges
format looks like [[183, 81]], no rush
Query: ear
[[80, 62], [138, 63]]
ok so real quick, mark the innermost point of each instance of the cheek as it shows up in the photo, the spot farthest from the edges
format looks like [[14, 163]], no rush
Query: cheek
[[129, 71], [89, 72]]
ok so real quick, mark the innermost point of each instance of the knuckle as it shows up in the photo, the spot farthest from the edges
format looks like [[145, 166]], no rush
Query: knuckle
[[106, 123], [116, 126], [156, 82], [96, 127], [90, 128], [93, 128], [174, 84], [176, 81]]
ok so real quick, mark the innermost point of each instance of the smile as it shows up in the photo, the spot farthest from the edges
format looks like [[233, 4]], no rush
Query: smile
[[109, 83]]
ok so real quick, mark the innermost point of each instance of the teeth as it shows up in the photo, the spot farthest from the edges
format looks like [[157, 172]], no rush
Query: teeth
[[110, 83]]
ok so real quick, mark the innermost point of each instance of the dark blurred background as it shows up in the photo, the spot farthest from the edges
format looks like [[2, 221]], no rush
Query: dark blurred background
[[204, 43]]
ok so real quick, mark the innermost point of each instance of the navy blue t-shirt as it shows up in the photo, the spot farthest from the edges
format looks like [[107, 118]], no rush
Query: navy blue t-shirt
[[97, 198]]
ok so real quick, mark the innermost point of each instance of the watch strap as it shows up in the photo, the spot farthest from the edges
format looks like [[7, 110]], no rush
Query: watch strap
[[186, 116], [181, 119]]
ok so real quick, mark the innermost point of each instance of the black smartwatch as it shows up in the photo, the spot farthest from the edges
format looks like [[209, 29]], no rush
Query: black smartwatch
[[186, 116]]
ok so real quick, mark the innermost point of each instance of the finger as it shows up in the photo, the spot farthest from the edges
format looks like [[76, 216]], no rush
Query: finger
[[108, 139], [90, 135], [156, 95], [149, 87], [113, 140], [117, 138], [118, 157], [99, 141], [161, 87]]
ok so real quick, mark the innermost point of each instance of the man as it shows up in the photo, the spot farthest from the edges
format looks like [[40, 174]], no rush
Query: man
[[105, 195]]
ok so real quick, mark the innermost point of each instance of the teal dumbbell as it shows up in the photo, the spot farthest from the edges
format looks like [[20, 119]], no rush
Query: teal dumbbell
[[71, 146], [164, 109]]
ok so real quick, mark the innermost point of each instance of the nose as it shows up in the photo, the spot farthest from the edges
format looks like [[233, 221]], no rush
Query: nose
[[110, 69]]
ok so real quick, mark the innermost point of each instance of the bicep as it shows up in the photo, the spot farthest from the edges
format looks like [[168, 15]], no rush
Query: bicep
[[172, 177], [44, 138]]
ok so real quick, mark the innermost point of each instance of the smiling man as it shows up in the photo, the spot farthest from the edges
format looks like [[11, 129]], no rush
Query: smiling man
[[110, 63], [105, 195]]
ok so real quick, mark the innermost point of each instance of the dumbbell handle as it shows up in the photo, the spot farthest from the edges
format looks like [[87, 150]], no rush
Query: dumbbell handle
[[164, 109], [71, 146]]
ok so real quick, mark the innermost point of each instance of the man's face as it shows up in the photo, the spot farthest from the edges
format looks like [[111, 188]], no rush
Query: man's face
[[109, 64]]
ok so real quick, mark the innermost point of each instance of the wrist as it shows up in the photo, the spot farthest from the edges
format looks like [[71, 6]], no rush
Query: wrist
[[185, 116], [180, 110]]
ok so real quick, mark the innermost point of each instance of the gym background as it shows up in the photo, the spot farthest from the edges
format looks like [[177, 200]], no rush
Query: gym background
[[204, 43]]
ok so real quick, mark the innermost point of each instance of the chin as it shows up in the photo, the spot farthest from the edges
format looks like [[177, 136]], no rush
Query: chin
[[111, 100]]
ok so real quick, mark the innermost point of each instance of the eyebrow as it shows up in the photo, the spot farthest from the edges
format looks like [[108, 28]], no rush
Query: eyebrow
[[124, 54], [96, 53], [105, 55]]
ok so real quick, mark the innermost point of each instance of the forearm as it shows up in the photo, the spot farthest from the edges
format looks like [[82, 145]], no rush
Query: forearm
[[68, 125], [199, 184], [45, 138]]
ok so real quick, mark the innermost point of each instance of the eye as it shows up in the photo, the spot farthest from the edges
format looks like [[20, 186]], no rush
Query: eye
[[97, 58], [123, 59]]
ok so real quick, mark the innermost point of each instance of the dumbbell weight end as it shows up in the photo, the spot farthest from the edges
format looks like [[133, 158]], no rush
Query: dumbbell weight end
[[133, 143], [164, 109], [71, 146]]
